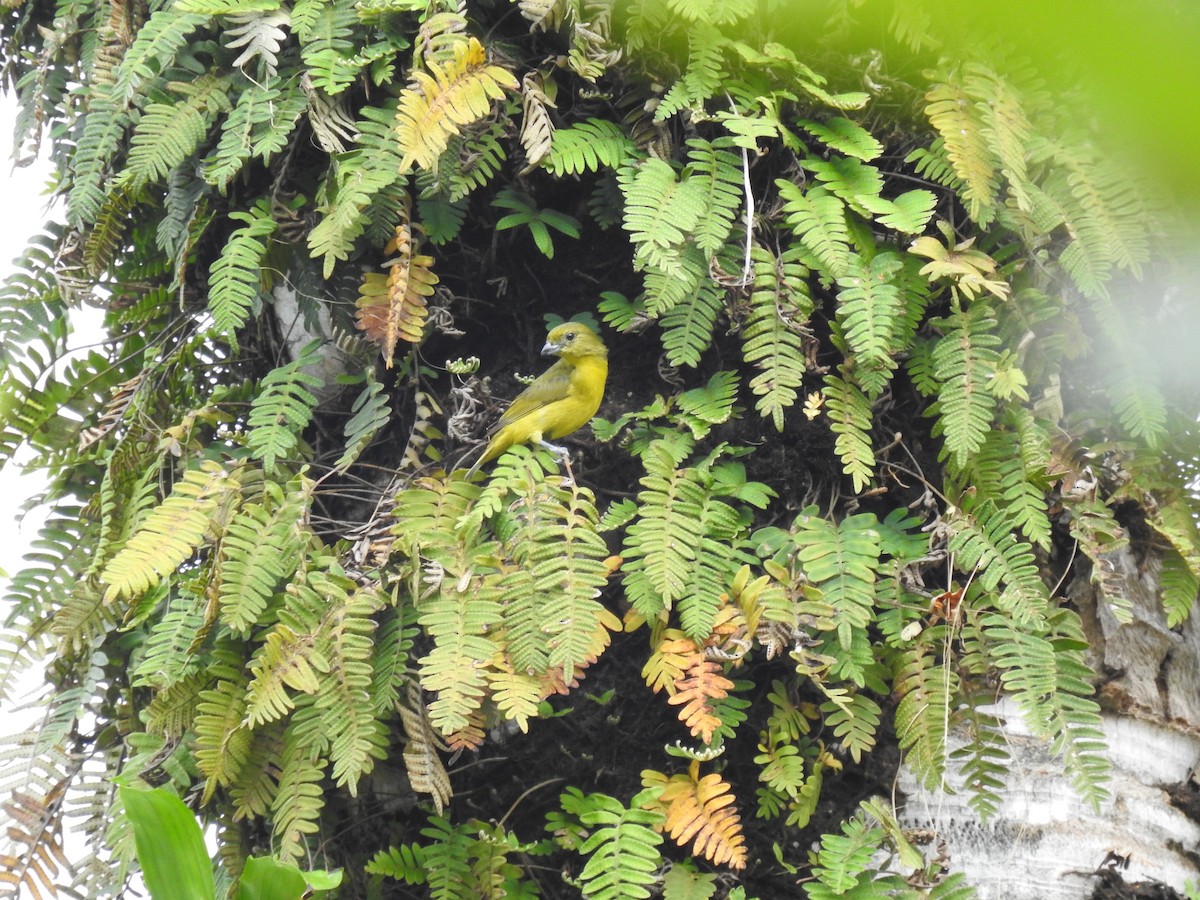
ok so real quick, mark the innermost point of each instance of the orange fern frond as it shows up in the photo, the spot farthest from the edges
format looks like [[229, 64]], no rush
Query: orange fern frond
[[700, 810], [392, 307], [700, 685], [470, 736]]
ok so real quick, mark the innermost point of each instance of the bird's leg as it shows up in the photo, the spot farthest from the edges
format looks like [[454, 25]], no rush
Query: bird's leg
[[560, 453], [563, 455]]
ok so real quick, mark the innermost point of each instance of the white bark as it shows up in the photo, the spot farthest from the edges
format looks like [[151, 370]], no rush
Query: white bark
[[1044, 843]]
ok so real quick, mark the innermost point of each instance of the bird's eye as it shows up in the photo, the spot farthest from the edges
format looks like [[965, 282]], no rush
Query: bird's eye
[[570, 335]]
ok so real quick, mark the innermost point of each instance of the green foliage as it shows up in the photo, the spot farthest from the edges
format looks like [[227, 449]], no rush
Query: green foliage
[[260, 125], [773, 332], [588, 146], [818, 219], [622, 846], [283, 407], [236, 279], [965, 361], [538, 221], [263, 583], [463, 861], [170, 533], [168, 133]]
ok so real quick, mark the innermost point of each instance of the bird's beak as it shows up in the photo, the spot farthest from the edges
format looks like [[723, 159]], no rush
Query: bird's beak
[[550, 348]]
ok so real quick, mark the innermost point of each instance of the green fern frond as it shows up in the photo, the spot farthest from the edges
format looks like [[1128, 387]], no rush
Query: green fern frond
[[870, 314], [717, 561], [355, 185], [460, 617], [857, 183], [1180, 586], [261, 547], [299, 800], [254, 790], [933, 164], [103, 131], [660, 213], [1052, 683], [661, 545], [997, 472], [965, 360], [854, 717], [236, 278], [588, 146], [850, 418], [1005, 124], [168, 133], [154, 48], [258, 126], [688, 324], [1102, 210], [622, 844], [428, 515], [556, 617], [703, 407], [818, 219], [843, 859], [283, 407], [719, 173], [845, 136], [370, 412], [701, 79], [909, 213], [666, 290], [471, 159], [393, 644], [926, 710], [983, 761], [168, 655], [841, 561], [348, 713], [223, 740], [773, 333], [326, 32], [983, 544]]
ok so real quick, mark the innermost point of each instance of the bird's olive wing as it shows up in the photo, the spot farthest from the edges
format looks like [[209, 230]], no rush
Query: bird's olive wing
[[553, 384]]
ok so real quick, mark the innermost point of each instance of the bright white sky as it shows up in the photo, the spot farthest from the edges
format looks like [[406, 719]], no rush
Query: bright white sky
[[24, 212]]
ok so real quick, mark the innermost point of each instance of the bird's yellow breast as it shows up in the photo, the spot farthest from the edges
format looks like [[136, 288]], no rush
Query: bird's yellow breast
[[583, 398]]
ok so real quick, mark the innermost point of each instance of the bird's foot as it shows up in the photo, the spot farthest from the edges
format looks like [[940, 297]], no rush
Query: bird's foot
[[563, 455]]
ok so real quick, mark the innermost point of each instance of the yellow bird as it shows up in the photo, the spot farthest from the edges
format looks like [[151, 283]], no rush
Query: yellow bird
[[561, 399]]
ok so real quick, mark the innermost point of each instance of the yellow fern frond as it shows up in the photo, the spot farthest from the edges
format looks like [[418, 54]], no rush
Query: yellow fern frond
[[700, 810], [171, 532], [392, 307], [516, 694], [669, 660], [952, 112], [286, 659], [448, 97]]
